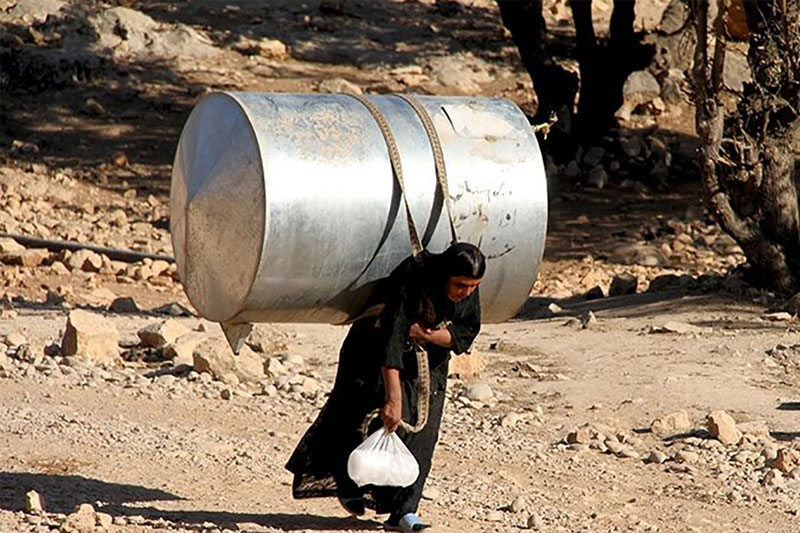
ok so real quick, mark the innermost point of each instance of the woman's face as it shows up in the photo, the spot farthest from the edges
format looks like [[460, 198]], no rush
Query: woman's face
[[459, 287]]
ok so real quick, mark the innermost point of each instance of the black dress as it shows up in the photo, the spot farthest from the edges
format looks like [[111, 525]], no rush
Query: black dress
[[415, 293]]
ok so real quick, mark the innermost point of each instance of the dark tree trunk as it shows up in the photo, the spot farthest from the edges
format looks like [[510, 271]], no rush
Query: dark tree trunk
[[748, 159], [555, 87]]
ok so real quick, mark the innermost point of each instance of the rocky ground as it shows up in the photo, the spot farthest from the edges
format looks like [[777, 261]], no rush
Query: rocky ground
[[643, 387]]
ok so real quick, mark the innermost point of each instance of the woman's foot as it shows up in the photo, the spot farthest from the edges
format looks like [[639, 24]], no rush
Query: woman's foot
[[353, 505], [408, 522]]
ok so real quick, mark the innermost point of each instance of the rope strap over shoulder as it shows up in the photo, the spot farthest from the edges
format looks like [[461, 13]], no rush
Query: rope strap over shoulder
[[438, 158], [397, 168]]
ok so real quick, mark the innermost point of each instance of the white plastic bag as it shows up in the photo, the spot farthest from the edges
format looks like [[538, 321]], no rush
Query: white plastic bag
[[382, 460]]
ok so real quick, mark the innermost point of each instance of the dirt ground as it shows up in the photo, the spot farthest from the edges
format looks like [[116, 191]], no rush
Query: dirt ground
[[564, 442]]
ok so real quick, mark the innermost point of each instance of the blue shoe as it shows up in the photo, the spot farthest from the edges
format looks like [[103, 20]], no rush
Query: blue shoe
[[354, 506], [409, 522]]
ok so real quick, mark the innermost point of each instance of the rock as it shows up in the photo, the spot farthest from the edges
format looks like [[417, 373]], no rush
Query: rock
[[794, 474], [672, 87], [339, 85], [103, 520], [640, 88], [172, 309], [597, 178], [518, 504], [631, 146], [535, 522], [778, 317], [656, 457], [773, 478], [84, 260], [614, 446], [124, 304], [162, 333], [83, 520], [593, 156], [58, 268], [674, 17], [33, 502], [581, 435], [637, 254], [671, 424], [274, 367], [622, 285], [785, 460], [90, 335], [467, 365], [723, 427], [685, 456], [588, 319], [430, 493], [479, 392], [15, 339], [511, 419], [102, 296], [572, 170], [681, 328], [736, 71], [26, 257], [494, 516], [213, 356], [267, 339], [9, 245], [181, 350], [293, 359]]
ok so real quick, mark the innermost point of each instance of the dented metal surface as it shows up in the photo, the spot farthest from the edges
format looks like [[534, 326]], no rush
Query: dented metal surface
[[284, 207]]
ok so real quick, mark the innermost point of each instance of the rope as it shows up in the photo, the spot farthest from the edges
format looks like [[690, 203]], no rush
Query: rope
[[397, 168], [438, 158]]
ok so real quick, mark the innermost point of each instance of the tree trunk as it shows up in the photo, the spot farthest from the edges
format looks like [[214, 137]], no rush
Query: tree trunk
[[748, 160]]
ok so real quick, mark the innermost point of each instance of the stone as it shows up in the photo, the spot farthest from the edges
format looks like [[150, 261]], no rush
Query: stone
[[494, 516], [339, 85], [9, 245], [535, 522], [656, 457], [32, 257], [213, 356], [671, 424], [588, 319], [58, 268], [83, 520], [722, 427], [84, 260], [773, 478], [172, 309], [785, 460], [781, 316], [511, 419], [102, 296], [181, 350], [124, 304], [274, 367], [479, 392], [581, 435], [685, 456], [103, 520], [430, 493], [623, 285], [90, 335], [680, 328], [637, 254], [639, 88], [33, 502], [593, 156], [794, 474], [162, 333], [518, 505], [736, 71], [672, 87], [468, 365], [15, 339], [597, 178], [267, 339], [631, 146]]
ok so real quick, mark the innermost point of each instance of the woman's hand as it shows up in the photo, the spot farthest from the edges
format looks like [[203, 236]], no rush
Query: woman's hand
[[392, 414], [392, 411], [440, 337]]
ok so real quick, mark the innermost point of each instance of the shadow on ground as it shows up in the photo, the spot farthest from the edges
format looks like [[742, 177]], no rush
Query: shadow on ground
[[63, 493]]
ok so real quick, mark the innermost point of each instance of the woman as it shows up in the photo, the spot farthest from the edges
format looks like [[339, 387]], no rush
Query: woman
[[432, 302]]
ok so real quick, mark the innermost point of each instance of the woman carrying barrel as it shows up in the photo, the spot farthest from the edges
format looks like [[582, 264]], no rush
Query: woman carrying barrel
[[432, 303]]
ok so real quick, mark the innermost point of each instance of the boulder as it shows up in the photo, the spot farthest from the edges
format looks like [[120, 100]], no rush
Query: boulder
[[640, 88], [162, 333], [339, 85], [214, 356], [90, 335], [85, 260], [622, 285], [181, 350], [267, 339], [722, 427], [671, 424]]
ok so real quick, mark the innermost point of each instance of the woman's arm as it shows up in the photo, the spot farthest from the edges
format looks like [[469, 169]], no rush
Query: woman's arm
[[392, 411], [440, 337]]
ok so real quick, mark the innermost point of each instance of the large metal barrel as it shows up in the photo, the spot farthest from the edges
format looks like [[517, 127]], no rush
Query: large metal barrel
[[284, 207]]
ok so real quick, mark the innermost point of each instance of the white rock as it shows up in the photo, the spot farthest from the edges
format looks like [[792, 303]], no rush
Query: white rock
[[85, 260], [90, 335], [479, 392], [33, 502], [213, 356], [723, 427], [162, 333], [181, 350]]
